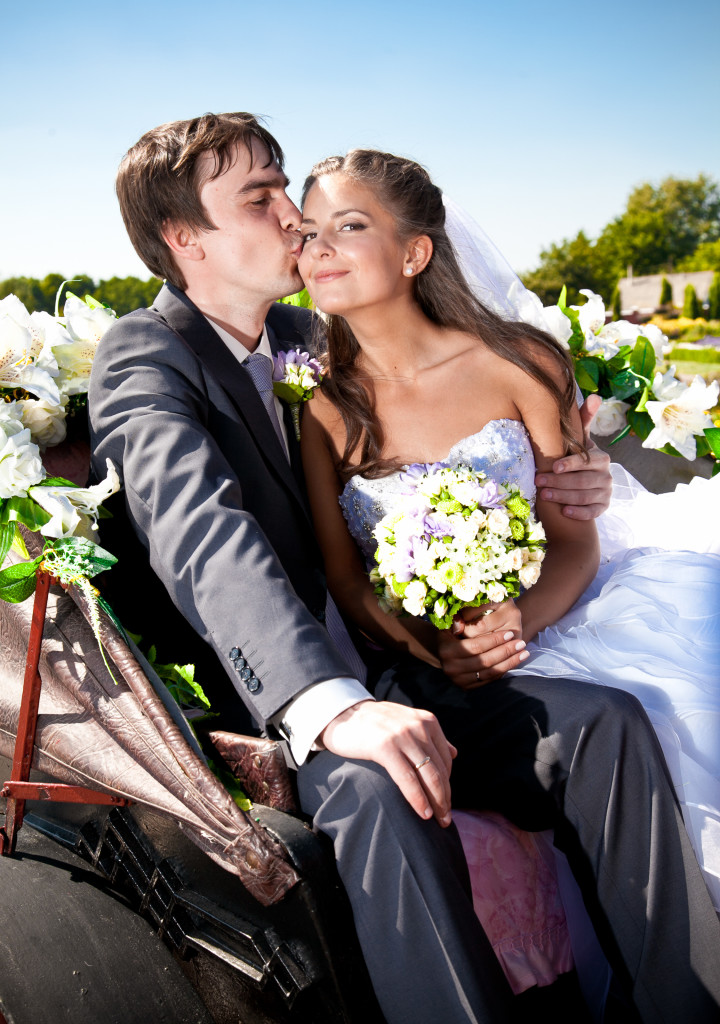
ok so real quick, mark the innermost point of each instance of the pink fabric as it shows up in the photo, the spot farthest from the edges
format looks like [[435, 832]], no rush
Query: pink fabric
[[517, 899]]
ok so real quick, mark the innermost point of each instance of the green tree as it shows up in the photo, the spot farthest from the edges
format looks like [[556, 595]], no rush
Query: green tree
[[27, 289], [714, 298], [616, 304], [691, 305], [662, 225], [124, 294], [573, 264], [705, 257], [665, 293]]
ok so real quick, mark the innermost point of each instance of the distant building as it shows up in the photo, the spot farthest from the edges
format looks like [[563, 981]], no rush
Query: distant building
[[640, 296]]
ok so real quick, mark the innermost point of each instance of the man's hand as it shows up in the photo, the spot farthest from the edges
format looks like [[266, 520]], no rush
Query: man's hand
[[583, 488], [401, 740], [483, 644]]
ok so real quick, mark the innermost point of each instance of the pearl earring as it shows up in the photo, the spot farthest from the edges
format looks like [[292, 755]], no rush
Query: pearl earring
[[408, 271]]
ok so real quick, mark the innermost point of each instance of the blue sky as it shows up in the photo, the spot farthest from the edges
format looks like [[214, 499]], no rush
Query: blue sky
[[538, 118]]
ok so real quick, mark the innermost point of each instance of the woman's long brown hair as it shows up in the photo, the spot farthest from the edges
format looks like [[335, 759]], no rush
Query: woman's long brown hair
[[405, 189]]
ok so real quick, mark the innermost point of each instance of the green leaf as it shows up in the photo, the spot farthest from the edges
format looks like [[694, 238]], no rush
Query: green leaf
[[7, 536], [57, 481], [640, 423], [643, 358], [702, 447], [17, 582], [626, 384], [27, 512], [289, 393], [299, 299], [113, 617], [623, 433], [95, 559], [587, 373], [713, 439], [562, 300]]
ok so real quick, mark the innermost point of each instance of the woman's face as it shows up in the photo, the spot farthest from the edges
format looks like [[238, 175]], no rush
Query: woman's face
[[352, 258]]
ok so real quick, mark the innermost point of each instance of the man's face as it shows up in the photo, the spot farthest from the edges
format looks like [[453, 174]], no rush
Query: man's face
[[252, 255]]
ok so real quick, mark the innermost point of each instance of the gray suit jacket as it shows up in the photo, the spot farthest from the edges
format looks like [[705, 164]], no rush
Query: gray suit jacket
[[221, 514]]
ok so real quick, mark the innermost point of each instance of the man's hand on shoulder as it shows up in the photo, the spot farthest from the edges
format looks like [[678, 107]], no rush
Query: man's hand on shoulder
[[407, 742], [583, 488]]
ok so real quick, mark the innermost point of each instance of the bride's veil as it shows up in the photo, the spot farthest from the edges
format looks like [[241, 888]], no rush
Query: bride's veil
[[487, 272]]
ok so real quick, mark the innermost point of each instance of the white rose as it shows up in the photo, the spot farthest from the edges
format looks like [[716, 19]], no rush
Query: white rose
[[414, 599], [20, 463], [530, 574], [45, 421], [496, 592], [610, 417], [498, 522]]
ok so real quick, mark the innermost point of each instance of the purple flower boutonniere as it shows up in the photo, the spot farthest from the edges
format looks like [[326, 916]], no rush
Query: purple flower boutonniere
[[295, 377]]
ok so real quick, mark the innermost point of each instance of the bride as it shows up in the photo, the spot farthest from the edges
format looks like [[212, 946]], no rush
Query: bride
[[420, 371]]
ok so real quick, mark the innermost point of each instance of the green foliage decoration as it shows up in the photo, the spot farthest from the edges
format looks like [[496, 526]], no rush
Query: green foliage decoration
[[665, 293]]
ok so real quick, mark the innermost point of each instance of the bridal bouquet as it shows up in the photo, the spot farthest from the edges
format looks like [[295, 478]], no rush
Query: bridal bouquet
[[618, 361], [459, 540]]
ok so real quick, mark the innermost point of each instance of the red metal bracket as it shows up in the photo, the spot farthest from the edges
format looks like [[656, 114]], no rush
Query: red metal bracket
[[18, 789]]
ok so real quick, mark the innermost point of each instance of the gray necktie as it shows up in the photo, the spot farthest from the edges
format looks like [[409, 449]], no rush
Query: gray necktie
[[260, 369]]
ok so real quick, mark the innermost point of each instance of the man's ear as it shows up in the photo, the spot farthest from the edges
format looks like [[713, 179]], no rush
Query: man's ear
[[182, 241], [418, 255]]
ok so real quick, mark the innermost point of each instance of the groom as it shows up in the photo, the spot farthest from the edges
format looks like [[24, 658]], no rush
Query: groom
[[180, 400]]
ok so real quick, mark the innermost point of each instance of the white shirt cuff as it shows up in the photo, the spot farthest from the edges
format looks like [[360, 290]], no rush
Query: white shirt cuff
[[304, 718]]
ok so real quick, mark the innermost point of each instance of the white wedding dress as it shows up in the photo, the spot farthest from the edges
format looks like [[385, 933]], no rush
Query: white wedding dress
[[649, 623]]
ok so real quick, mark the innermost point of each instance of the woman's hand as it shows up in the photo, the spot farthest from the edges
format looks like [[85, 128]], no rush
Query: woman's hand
[[483, 644]]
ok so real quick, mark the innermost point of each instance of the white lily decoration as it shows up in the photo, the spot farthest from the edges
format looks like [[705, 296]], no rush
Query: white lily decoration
[[17, 366], [591, 315], [86, 324], [557, 324], [74, 510], [680, 412]]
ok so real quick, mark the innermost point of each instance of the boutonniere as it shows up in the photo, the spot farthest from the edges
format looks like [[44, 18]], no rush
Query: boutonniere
[[295, 377]]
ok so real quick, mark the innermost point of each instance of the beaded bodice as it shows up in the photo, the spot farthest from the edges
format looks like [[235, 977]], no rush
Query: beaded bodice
[[501, 449]]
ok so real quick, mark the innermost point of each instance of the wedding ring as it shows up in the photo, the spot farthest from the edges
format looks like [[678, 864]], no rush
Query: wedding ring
[[477, 676], [422, 764]]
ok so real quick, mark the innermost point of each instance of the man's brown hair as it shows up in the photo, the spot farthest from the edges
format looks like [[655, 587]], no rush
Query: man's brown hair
[[159, 180]]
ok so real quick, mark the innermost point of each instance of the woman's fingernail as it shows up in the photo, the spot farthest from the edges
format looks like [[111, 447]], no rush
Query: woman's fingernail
[[547, 495], [508, 636], [524, 655], [519, 645]]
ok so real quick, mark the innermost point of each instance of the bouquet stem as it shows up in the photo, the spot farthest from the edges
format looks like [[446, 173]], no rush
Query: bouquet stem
[[295, 413]]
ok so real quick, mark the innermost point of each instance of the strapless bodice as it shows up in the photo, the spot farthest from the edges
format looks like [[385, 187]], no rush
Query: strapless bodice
[[501, 450]]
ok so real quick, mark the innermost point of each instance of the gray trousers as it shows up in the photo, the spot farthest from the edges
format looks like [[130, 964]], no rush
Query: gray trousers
[[577, 758]]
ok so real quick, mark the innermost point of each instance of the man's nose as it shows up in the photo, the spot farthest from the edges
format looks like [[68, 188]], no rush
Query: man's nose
[[290, 216]]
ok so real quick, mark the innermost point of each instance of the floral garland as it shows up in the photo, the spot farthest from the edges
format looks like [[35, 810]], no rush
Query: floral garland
[[45, 364], [618, 361]]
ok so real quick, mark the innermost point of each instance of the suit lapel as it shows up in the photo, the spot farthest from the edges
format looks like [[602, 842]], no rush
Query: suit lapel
[[188, 322]]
